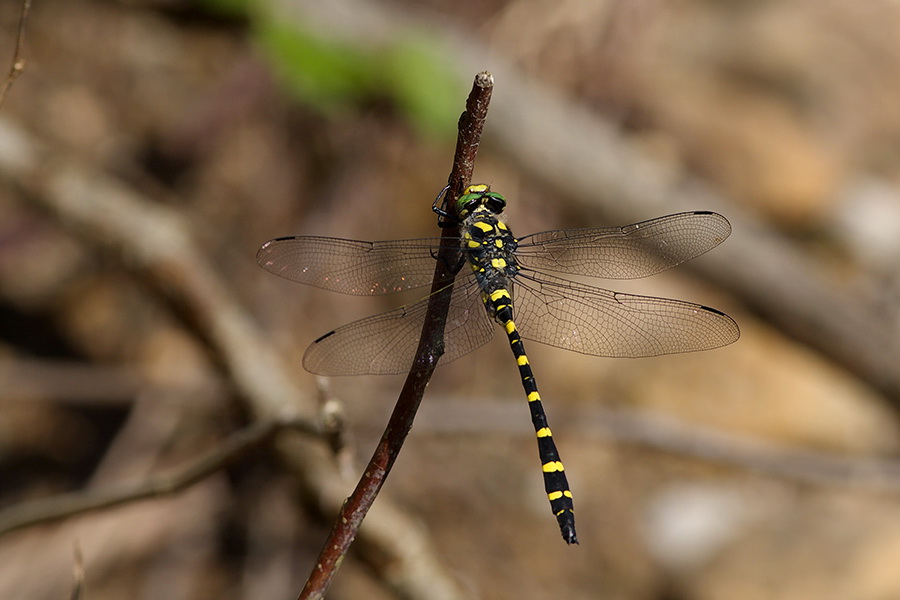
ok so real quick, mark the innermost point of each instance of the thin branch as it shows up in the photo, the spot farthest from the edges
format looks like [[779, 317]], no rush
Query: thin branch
[[18, 63], [471, 124], [77, 503]]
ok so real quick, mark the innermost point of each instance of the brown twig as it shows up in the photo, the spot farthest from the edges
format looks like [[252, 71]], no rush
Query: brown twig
[[77, 503], [18, 63], [471, 124]]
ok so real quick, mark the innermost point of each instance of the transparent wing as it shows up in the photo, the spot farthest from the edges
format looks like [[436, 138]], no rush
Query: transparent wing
[[628, 252], [351, 266], [601, 322], [386, 343]]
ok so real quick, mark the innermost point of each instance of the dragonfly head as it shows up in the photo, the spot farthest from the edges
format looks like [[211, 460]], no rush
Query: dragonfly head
[[479, 195]]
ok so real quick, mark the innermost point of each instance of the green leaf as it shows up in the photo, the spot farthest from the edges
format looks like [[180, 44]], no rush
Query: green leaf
[[327, 73], [423, 84]]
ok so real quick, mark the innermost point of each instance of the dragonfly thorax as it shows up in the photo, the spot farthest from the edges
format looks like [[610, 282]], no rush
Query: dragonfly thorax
[[489, 247]]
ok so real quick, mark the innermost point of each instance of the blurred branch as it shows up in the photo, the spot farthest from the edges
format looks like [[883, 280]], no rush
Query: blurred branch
[[82, 382], [157, 243], [334, 428], [18, 63], [76, 503], [565, 144], [77, 572], [673, 436]]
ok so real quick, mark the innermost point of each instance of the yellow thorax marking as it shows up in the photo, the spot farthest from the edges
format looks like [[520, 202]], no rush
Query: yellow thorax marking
[[485, 227], [498, 263]]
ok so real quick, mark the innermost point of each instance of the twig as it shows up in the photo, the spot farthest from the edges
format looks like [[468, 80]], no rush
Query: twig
[[18, 63], [471, 124], [76, 503]]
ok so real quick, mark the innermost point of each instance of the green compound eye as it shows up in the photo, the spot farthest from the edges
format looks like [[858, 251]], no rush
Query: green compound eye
[[479, 195]]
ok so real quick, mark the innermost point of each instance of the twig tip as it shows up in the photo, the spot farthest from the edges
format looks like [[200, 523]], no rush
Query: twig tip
[[484, 79]]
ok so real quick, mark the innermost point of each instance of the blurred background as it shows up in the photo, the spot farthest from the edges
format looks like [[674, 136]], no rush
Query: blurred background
[[151, 146]]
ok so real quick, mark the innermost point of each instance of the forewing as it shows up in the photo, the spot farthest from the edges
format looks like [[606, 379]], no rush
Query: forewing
[[628, 252], [386, 343], [601, 322], [353, 267]]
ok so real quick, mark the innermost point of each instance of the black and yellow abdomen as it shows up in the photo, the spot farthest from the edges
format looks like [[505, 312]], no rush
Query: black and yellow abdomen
[[489, 248]]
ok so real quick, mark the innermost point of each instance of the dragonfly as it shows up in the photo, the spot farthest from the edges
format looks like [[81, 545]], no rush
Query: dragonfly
[[514, 282]]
